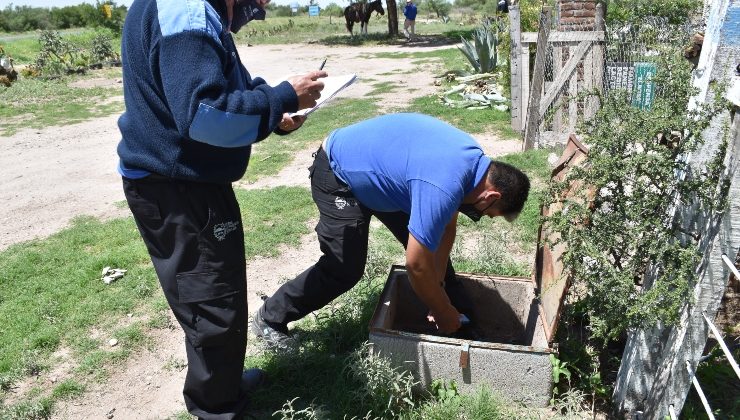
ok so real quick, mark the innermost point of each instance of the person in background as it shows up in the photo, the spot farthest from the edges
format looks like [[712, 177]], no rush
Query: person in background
[[192, 112], [409, 11], [415, 181]]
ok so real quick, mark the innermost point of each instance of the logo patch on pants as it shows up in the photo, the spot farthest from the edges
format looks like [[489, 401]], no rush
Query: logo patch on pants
[[222, 229], [340, 203]]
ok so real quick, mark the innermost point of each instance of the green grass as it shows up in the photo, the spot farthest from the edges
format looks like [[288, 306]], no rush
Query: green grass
[[452, 59], [275, 152], [22, 50], [267, 224], [316, 373], [51, 295], [36, 103], [382, 88], [52, 288], [471, 121], [481, 405], [323, 30], [24, 47], [67, 389]]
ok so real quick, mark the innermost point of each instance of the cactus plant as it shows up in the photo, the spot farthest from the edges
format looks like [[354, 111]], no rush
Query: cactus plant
[[482, 53]]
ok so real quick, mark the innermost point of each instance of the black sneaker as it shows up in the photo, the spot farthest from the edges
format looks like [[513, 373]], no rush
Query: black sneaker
[[272, 337]]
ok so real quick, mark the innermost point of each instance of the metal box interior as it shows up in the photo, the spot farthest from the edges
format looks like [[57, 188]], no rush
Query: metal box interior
[[515, 320]]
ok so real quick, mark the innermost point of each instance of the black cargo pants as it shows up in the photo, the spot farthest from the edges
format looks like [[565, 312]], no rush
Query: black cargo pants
[[342, 231], [193, 232]]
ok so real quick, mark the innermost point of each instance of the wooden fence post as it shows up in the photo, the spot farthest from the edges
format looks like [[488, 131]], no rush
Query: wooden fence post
[[517, 111], [596, 64], [533, 112]]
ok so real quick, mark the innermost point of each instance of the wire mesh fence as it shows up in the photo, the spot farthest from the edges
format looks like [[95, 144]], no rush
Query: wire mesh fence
[[580, 62], [632, 51]]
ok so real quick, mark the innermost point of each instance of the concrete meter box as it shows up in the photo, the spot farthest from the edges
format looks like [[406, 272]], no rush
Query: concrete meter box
[[515, 323]]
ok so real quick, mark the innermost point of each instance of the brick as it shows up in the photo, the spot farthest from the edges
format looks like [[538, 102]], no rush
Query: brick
[[567, 14], [584, 13], [570, 6]]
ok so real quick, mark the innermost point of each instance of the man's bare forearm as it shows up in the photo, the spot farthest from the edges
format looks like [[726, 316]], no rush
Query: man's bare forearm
[[442, 255], [426, 280]]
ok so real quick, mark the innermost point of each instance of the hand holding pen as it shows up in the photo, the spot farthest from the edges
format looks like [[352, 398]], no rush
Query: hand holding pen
[[291, 123], [308, 87]]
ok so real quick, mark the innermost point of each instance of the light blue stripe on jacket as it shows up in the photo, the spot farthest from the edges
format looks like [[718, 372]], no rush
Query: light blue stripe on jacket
[[177, 16], [224, 129]]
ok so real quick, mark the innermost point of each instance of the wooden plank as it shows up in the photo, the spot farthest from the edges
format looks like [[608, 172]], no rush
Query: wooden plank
[[525, 84], [516, 70], [588, 84], [568, 69], [557, 67], [551, 280], [573, 102], [575, 36], [533, 114], [597, 70]]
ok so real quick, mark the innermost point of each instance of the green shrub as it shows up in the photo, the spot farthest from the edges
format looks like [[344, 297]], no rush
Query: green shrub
[[57, 56], [636, 11], [620, 229], [101, 50]]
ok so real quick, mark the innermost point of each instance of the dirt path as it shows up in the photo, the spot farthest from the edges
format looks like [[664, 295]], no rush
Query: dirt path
[[58, 173]]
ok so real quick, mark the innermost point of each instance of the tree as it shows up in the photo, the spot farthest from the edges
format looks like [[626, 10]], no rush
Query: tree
[[390, 6], [439, 7], [333, 9]]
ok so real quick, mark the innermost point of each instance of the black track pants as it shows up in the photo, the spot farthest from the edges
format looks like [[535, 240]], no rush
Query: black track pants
[[193, 232], [343, 237]]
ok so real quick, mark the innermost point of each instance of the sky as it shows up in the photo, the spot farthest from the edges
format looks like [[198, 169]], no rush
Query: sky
[[52, 3], [61, 3]]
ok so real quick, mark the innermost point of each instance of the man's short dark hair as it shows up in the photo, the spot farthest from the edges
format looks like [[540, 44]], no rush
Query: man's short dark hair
[[513, 185]]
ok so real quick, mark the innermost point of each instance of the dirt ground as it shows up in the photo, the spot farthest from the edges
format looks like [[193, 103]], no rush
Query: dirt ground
[[53, 175]]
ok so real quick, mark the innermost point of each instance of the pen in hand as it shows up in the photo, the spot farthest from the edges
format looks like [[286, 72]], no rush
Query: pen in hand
[[321, 67]]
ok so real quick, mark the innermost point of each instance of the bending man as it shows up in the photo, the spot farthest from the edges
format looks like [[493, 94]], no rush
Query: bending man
[[414, 173]]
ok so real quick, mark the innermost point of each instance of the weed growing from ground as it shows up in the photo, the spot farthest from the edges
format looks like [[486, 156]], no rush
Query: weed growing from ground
[[385, 390]]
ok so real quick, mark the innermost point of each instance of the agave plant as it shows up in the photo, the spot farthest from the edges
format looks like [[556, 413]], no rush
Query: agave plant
[[482, 53]]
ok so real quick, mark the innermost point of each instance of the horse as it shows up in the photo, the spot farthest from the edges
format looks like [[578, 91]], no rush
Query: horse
[[360, 12]]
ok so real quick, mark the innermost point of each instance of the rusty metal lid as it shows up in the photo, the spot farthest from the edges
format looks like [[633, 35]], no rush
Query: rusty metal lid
[[551, 281]]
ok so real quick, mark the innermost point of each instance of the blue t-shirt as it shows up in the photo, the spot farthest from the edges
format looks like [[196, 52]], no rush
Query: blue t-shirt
[[411, 163]]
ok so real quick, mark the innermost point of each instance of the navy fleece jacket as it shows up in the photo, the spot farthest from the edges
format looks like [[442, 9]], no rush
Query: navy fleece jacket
[[192, 109]]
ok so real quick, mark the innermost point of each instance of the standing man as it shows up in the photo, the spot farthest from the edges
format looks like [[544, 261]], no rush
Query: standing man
[[414, 173], [408, 25], [192, 112]]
